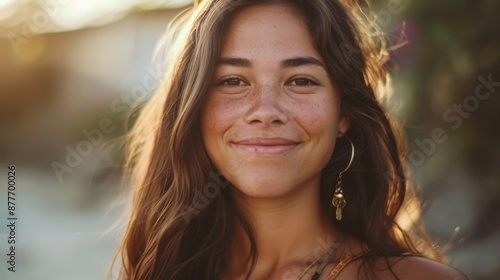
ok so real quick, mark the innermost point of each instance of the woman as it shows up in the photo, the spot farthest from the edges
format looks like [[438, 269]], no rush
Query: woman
[[267, 154]]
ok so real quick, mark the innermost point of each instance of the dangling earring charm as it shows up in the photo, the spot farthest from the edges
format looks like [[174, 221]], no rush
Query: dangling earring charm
[[338, 200]]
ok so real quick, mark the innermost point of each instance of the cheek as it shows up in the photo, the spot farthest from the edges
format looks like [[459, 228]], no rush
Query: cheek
[[215, 114], [317, 117], [216, 120]]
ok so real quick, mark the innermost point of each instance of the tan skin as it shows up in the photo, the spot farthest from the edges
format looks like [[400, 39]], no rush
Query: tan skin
[[274, 113]]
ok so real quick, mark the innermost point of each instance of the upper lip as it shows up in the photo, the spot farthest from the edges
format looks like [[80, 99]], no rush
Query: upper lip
[[277, 141]]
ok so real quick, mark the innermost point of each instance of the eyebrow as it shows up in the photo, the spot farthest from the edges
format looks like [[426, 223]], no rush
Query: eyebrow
[[287, 63], [234, 61], [300, 61]]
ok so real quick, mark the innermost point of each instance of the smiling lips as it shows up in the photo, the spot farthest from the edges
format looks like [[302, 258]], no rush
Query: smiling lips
[[266, 146]]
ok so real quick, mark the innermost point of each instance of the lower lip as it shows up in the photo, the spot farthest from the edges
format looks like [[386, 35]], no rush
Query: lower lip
[[266, 150]]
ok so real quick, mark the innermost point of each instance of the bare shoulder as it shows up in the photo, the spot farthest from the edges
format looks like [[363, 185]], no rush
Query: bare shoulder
[[414, 267]]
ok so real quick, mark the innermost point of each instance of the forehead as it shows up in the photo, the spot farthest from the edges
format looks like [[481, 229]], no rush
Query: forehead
[[276, 28]]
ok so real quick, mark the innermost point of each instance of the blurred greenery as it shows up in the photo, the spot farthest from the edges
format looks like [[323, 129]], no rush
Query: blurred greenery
[[453, 47], [452, 43]]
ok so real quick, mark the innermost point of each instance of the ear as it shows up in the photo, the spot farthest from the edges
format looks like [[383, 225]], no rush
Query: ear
[[343, 126]]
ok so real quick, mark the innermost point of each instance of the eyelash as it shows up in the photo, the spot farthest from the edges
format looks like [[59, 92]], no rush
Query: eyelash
[[228, 78], [306, 78]]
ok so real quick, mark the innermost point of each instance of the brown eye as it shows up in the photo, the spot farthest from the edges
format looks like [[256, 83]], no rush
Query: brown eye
[[302, 81], [232, 82]]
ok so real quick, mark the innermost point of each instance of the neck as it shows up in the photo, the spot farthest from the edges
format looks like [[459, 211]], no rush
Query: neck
[[287, 231]]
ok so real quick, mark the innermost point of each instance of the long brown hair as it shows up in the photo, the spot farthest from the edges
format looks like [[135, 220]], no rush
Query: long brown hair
[[182, 214]]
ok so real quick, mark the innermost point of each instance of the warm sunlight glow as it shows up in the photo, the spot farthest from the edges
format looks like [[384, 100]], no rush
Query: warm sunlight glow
[[65, 15], [5, 3], [7, 9], [80, 14]]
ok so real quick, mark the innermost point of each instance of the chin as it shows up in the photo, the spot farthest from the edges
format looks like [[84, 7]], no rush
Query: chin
[[264, 187]]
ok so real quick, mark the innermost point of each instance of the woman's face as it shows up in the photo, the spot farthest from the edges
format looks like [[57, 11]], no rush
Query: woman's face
[[272, 115]]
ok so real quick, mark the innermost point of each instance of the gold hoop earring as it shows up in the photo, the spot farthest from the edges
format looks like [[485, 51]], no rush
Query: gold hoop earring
[[338, 200]]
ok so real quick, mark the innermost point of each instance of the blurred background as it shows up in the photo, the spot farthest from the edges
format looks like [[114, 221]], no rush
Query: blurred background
[[70, 71]]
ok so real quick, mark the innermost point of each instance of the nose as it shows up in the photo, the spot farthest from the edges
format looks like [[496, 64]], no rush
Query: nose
[[267, 107]]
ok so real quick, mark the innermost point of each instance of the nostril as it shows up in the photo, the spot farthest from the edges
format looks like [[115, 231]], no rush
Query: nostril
[[266, 107], [266, 117]]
